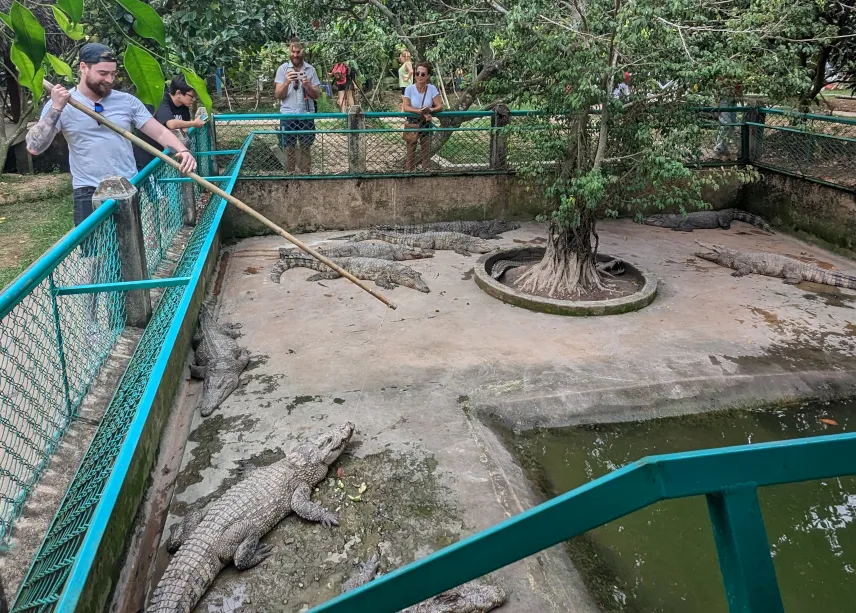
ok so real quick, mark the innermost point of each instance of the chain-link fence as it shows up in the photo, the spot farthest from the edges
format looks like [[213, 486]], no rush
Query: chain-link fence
[[51, 568], [375, 144], [53, 343]]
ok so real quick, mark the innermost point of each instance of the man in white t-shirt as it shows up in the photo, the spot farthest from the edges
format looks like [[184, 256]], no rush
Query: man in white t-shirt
[[423, 98], [297, 87], [95, 151]]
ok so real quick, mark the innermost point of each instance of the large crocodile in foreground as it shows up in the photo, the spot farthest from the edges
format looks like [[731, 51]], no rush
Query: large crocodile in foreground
[[230, 530], [773, 265], [705, 220], [219, 360], [462, 244], [381, 251], [384, 273], [474, 597], [489, 228]]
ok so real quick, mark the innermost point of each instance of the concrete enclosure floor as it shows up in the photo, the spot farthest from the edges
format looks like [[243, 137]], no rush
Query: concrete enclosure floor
[[419, 382]]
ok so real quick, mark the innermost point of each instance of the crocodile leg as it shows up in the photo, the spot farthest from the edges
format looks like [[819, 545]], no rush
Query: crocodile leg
[[742, 271], [197, 372], [312, 511], [461, 251], [384, 282], [179, 532], [240, 543]]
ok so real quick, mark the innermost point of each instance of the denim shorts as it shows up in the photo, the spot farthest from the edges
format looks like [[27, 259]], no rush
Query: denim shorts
[[82, 197], [289, 140]]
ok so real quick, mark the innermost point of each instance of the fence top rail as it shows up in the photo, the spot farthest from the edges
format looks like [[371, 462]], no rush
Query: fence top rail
[[621, 492], [369, 114], [851, 121]]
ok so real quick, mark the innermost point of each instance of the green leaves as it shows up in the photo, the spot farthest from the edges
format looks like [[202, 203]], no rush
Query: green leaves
[[28, 76], [6, 19], [147, 22], [60, 67], [73, 31], [146, 74], [198, 85], [73, 8], [29, 34]]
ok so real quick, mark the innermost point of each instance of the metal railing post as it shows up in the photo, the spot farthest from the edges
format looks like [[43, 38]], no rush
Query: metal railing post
[[356, 140], [132, 250], [744, 551], [498, 138], [59, 344]]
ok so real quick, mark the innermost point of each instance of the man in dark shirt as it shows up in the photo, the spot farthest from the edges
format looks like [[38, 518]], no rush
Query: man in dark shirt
[[173, 112]]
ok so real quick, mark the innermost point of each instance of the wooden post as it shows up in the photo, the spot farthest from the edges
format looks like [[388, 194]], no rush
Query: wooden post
[[132, 249], [498, 139], [356, 140], [753, 136]]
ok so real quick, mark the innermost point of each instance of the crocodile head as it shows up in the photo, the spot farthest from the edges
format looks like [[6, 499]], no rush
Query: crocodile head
[[417, 253], [655, 220], [220, 381], [500, 226], [720, 254], [317, 453]]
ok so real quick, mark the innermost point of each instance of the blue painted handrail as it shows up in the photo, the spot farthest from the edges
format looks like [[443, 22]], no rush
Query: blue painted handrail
[[728, 477]]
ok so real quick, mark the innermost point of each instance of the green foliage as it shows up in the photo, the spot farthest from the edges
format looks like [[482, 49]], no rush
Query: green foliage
[[146, 74], [29, 54]]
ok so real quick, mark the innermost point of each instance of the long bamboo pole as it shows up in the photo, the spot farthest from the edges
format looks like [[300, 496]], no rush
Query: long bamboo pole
[[228, 197]]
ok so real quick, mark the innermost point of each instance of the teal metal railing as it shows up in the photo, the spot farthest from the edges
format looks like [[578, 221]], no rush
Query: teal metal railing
[[728, 477]]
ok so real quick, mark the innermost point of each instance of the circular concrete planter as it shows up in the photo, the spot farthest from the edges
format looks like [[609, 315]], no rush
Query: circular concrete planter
[[613, 306]]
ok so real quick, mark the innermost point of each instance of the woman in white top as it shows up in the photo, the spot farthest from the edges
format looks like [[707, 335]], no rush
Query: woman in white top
[[423, 99]]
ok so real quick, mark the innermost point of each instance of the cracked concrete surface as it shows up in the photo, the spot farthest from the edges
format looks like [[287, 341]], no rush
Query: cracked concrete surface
[[418, 381]]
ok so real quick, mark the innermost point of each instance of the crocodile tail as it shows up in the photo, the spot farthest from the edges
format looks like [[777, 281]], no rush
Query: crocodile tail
[[756, 221], [830, 277], [184, 583]]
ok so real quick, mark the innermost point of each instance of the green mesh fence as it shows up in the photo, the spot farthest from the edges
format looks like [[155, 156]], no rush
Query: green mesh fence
[[324, 145], [811, 146], [43, 585]]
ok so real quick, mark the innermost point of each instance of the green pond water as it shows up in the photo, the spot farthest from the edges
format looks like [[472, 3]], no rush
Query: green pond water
[[663, 558]]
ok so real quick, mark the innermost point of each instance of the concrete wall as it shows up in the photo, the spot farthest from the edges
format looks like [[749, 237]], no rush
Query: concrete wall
[[310, 204], [804, 208], [97, 591]]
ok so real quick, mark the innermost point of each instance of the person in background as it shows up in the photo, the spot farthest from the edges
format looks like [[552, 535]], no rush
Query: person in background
[[424, 99], [727, 120], [345, 75], [405, 72], [622, 90], [297, 88], [339, 74], [174, 113]]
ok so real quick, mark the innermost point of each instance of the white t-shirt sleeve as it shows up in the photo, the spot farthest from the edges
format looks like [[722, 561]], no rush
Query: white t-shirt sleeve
[[433, 92], [313, 78], [139, 113], [280, 74], [48, 105]]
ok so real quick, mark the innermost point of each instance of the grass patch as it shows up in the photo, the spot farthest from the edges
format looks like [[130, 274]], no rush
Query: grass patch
[[36, 211]]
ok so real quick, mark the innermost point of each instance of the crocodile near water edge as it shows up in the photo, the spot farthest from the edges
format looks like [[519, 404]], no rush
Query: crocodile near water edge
[[219, 359], [705, 220], [231, 529], [773, 265], [384, 273], [462, 244], [473, 597]]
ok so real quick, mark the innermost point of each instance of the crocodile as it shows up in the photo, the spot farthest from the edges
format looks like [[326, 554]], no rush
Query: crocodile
[[219, 360], [773, 265], [487, 229], [706, 220], [381, 251], [500, 267], [474, 597], [384, 273], [231, 529], [462, 244]]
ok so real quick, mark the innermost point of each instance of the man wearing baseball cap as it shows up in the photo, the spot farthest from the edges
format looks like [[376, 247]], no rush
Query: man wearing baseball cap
[[95, 151]]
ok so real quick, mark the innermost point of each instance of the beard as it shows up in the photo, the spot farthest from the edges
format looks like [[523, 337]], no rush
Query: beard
[[101, 89]]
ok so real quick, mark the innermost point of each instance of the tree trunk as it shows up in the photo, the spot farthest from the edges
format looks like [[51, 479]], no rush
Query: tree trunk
[[568, 268]]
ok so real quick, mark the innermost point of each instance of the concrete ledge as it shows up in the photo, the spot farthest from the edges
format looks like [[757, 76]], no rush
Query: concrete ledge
[[337, 204], [582, 308]]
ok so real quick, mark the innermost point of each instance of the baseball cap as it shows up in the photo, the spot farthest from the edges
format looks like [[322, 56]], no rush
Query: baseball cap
[[92, 53]]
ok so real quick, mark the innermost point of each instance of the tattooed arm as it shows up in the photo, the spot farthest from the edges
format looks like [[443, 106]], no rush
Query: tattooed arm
[[41, 135]]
